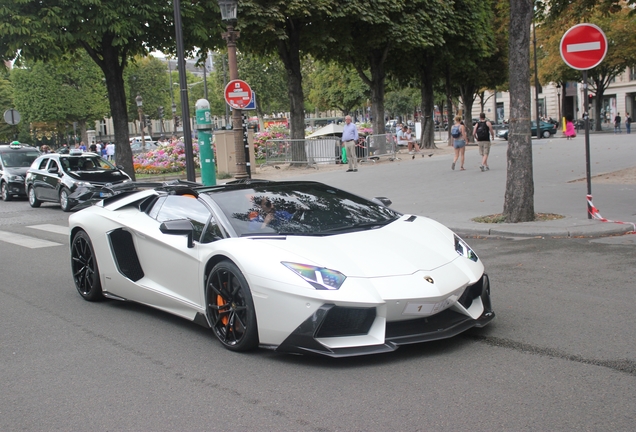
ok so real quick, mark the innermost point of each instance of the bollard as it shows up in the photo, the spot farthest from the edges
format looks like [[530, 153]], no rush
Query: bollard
[[206, 153]]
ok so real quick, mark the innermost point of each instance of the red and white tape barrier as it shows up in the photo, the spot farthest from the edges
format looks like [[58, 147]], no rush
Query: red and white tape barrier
[[596, 215]]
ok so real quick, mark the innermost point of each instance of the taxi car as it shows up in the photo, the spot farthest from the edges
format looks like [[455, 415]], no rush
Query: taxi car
[[54, 177], [15, 160]]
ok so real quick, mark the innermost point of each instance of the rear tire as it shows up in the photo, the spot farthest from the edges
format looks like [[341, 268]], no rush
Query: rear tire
[[84, 268], [4, 191], [33, 201]]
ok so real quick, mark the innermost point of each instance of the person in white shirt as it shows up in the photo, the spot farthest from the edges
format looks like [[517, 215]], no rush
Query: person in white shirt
[[110, 151]]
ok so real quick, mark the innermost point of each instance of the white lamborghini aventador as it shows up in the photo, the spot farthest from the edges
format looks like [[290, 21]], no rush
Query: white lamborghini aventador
[[298, 267]]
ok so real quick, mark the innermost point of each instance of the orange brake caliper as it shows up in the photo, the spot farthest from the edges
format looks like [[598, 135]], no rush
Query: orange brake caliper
[[220, 303]]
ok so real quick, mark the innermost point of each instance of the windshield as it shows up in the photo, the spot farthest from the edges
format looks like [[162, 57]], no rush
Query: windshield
[[15, 159], [300, 208], [86, 163]]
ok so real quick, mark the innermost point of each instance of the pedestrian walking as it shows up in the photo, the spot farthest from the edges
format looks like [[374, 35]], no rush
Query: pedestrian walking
[[349, 139], [628, 123], [617, 123], [483, 132], [458, 133], [570, 131]]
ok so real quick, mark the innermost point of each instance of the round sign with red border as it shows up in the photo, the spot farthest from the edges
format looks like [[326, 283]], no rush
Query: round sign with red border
[[238, 94], [583, 46]]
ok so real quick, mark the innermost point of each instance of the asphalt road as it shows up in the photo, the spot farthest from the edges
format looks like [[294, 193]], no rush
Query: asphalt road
[[559, 356]]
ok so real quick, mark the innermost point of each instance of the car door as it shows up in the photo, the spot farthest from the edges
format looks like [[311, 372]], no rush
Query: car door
[[40, 180], [172, 272], [51, 179]]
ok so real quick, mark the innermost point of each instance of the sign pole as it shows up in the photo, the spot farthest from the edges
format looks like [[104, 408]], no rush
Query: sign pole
[[586, 118], [584, 47]]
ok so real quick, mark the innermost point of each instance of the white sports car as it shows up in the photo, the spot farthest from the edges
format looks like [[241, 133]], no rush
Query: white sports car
[[298, 267]]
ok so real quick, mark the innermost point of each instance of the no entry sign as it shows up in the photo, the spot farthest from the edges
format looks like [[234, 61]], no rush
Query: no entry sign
[[583, 46], [238, 94]]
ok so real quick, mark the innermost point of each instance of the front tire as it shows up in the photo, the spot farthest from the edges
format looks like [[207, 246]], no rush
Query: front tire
[[546, 134], [4, 191], [230, 307], [84, 267], [33, 201], [64, 201]]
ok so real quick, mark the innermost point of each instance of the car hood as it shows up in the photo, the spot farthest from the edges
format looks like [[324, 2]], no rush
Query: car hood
[[403, 247], [100, 177], [21, 171]]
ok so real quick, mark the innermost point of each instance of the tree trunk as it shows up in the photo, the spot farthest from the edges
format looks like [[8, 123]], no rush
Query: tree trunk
[[428, 108], [376, 61], [83, 132], [519, 196], [468, 91], [112, 62], [289, 52], [449, 106]]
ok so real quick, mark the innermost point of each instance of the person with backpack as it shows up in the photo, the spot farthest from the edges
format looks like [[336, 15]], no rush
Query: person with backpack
[[482, 133], [458, 133]]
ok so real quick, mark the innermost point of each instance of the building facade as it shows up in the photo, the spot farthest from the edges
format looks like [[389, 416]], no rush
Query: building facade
[[556, 101]]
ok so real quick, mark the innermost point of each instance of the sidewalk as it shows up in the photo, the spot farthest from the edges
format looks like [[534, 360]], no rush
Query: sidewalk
[[427, 186]]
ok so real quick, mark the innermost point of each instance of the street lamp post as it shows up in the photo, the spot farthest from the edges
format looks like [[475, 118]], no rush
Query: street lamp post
[[228, 13], [174, 118], [183, 85], [140, 111], [558, 89]]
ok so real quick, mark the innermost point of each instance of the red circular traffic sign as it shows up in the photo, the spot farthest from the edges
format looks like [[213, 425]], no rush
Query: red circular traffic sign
[[238, 94], [583, 46]]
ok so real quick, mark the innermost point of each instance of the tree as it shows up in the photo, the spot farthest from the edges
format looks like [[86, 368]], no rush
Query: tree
[[6, 102], [267, 77], [148, 78], [288, 28], [373, 32], [336, 87], [111, 32], [61, 92], [402, 102], [519, 196]]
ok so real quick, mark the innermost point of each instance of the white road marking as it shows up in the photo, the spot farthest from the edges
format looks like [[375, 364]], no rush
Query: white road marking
[[57, 229], [585, 46], [26, 241]]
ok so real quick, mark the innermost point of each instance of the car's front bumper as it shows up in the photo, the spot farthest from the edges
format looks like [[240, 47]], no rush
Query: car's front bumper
[[331, 323], [16, 188]]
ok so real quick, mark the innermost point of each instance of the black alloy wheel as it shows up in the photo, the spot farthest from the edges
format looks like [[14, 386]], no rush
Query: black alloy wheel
[[64, 202], [33, 201], [230, 307], [6, 196], [84, 268]]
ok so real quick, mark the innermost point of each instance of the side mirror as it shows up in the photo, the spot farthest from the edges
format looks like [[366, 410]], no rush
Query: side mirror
[[382, 201], [53, 170], [179, 227]]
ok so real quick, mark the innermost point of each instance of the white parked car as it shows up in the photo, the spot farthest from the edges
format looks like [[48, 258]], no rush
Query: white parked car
[[297, 267]]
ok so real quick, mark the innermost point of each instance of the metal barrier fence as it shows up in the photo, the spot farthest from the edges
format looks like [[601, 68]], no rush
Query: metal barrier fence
[[312, 152], [376, 146]]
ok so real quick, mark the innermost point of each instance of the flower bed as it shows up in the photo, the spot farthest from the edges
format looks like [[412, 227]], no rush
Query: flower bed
[[166, 158]]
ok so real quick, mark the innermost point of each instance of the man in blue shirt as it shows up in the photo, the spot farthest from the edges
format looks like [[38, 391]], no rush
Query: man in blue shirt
[[349, 140]]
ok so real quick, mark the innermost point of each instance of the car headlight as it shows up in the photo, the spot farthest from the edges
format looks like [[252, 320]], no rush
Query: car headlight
[[320, 278], [464, 250], [16, 178], [83, 184]]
